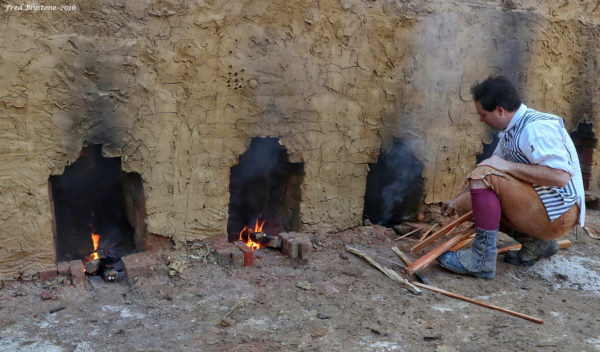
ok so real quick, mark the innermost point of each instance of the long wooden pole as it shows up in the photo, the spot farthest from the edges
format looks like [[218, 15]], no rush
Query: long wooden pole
[[474, 301]]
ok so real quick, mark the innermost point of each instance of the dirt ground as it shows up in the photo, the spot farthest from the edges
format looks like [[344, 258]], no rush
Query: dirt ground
[[334, 301]]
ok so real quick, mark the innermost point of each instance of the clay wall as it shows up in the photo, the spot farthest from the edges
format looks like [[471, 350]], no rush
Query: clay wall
[[178, 89]]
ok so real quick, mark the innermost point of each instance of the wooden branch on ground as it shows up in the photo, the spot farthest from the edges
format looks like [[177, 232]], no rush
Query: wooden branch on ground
[[441, 232], [428, 232], [408, 261], [430, 256], [591, 233], [225, 321], [387, 271], [474, 301], [407, 234], [562, 244]]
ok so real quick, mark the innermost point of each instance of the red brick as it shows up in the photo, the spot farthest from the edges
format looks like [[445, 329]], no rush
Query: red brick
[[156, 242], [48, 274], [77, 272], [142, 265], [64, 269], [248, 253]]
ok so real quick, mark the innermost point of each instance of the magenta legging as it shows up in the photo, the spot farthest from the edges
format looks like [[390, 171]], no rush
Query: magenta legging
[[486, 208]]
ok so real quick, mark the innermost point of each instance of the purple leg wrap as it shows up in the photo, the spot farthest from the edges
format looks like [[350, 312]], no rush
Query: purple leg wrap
[[486, 208]]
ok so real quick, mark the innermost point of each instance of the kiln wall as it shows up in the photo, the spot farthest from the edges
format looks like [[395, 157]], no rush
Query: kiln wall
[[178, 89]]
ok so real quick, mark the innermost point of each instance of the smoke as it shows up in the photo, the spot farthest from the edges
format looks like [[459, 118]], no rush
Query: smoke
[[394, 186]]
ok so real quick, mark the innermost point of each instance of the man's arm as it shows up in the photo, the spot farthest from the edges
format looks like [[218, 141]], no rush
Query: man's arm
[[535, 174]]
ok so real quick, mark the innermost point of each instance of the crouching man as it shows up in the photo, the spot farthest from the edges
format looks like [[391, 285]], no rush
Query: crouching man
[[531, 185]]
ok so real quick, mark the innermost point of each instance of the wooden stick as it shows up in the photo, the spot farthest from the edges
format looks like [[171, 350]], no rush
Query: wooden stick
[[441, 232], [562, 244], [463, 243], [408, 261], [474, 301], [387, 271], [407, 234], [430, 256], [428, 232], [591, 233]]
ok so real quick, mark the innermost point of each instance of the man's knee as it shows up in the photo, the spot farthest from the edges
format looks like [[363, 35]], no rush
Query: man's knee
[[483, 177], [477, 184]]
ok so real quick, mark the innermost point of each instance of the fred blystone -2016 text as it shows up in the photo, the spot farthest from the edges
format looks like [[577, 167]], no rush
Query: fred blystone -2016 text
[[30, 7]]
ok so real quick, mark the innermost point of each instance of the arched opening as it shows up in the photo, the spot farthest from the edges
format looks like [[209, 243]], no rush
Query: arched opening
[[394, 186], [585, 142], [95, 197], [264, 187]]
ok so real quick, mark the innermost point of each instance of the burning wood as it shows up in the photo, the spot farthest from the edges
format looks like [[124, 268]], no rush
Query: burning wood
[[271, 241], [247, 233], [93, 266]]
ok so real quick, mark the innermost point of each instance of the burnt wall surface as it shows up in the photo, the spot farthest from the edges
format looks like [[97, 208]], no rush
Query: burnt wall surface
[[178, 89]]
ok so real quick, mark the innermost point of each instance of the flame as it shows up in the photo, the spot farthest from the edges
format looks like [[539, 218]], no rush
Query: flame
[[95, 239], [257, 228]]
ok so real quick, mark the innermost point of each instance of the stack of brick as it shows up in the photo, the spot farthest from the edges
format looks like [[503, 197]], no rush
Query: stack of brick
[[296, 244]]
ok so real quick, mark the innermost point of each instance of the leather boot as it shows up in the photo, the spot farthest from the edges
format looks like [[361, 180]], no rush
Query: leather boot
[[478, 261], [532, 249]]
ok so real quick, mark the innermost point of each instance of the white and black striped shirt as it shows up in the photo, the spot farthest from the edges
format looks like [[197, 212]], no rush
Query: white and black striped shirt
[[537, 138]]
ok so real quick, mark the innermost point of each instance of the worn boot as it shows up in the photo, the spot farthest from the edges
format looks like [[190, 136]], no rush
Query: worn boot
[[532, 249], [478, 261]]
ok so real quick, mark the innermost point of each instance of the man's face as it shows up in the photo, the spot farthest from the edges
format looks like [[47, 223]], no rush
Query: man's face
[[494, 119]]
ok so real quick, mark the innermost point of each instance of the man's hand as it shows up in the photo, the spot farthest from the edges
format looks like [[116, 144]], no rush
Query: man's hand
[[448, 207]]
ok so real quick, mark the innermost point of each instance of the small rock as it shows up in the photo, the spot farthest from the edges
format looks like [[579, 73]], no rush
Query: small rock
[[253, 83], [46, 295], [305, 285], [176, 267]]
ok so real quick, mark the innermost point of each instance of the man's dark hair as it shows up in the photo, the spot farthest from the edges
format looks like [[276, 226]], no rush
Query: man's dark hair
[[496, 91]]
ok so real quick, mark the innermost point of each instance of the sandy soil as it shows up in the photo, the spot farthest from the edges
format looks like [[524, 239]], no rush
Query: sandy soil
[[332, 302]]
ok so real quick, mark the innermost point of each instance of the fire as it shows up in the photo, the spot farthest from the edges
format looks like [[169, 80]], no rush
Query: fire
[[95, 239], [257, 228]]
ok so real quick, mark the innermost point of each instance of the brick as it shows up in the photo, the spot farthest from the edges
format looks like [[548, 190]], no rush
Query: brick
[[64, 269], [77, 272], [48, 274], [290, 247], [248, 253], [156, 242], [304, 247], [286, 236], [142, 265], [224, 256], [237, 258]]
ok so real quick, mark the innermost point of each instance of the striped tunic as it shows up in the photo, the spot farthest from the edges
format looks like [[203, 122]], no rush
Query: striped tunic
[[537, 138]]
